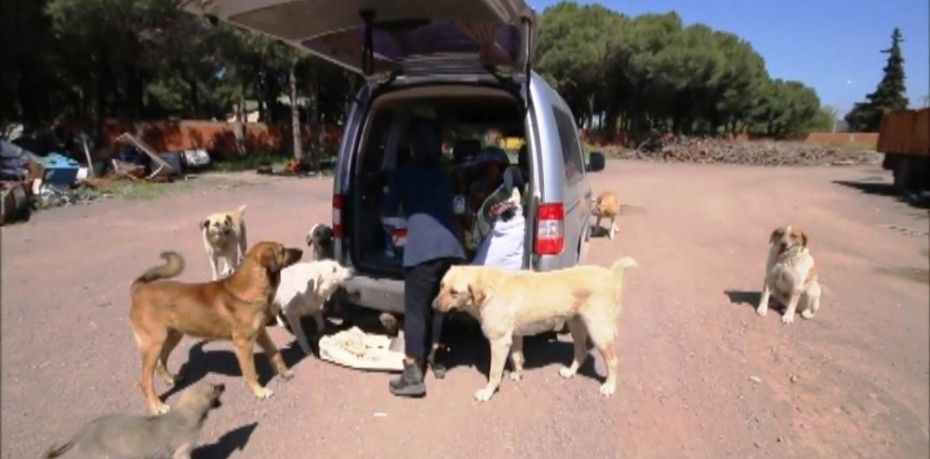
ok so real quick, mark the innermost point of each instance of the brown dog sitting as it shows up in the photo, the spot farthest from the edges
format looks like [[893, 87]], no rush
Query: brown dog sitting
[[235, 308]]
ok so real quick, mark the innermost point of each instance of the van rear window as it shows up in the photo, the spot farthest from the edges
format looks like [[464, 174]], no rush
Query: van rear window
[[571, 151]]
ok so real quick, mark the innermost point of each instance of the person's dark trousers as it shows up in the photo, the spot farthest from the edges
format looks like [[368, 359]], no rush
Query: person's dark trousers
[[422, 324]]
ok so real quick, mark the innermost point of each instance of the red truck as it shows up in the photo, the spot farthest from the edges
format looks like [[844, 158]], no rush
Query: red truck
[[904, 138]]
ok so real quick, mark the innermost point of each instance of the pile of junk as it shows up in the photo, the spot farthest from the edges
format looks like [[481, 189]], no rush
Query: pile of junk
[[50, 168]]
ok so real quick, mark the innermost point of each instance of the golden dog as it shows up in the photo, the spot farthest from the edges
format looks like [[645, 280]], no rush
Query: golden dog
[[607, 205], [235, 308], [511, 305]]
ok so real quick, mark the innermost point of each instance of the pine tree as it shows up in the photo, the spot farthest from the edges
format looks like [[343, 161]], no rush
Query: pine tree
[[889, 95]]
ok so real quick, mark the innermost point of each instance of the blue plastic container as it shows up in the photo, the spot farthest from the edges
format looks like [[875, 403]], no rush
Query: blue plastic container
[[60, 170]]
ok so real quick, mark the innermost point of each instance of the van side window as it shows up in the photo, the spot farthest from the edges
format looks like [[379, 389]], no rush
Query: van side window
[[571, 153]]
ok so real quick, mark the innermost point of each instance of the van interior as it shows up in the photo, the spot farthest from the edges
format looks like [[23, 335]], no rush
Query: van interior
[[463, 114]]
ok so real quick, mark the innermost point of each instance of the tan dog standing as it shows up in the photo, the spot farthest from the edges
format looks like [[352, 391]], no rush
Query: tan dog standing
[[235, 308], [511, 305], [225, 240], [174, 434], [607, 205], [790, 275]]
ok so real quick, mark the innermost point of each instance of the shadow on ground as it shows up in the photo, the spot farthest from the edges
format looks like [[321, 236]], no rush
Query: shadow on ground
[[751, 298], [200, 363], [919, 200], [468, 347], [226, 445]]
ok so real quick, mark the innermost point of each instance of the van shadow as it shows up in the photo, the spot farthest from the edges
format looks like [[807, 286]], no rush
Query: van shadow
[[918, 200], [467, 346], [751, 299], [200, 363], [226, 445]]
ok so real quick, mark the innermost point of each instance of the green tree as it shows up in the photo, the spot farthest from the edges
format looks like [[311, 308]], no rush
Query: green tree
[[786, 109], [889, 95]]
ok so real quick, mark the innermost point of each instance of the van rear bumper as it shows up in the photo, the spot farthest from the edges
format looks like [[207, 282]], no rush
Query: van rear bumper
[[381, 294]]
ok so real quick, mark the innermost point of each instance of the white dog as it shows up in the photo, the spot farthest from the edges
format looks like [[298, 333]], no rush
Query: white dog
[[790, 275], [224, 239], [304, 289]]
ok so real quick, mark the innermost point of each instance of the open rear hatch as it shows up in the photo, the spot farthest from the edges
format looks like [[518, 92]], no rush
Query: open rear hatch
[[373, 38]]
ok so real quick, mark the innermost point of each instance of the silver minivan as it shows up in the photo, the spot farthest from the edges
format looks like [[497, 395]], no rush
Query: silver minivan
[[465, 64]]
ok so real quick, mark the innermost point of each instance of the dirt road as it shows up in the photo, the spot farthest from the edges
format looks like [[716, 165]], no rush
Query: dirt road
[[701, 374]]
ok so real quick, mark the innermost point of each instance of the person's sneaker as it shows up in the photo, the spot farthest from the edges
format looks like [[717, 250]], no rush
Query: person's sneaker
[[438, 368], [409, 383]]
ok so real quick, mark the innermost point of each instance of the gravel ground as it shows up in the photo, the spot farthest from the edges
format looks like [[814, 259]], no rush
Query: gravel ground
[[701, 374]]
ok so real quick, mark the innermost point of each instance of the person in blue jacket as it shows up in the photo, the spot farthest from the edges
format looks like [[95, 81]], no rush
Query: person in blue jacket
[[423, 190]]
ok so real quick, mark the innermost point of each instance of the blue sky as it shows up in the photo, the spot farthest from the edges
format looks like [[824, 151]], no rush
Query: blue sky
[[831, 45]]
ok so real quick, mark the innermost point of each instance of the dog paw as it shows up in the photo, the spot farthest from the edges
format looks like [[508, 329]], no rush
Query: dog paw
[[762, 310], [262, 393], [566, 372], [807, 314], [516, 375], [160, 408], [787, 318], [607, 389], [287, 375], [484, 394]]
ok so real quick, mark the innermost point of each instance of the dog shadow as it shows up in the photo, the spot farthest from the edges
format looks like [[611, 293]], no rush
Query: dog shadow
[[467, 346], [599, 231], [751, 299], [226, 445], [200, 363]]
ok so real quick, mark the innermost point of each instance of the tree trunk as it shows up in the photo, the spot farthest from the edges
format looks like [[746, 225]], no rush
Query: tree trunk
[[295, 115], [239, 129]]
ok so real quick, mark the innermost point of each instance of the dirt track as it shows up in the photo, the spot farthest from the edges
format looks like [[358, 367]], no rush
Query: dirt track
[[701, 374]]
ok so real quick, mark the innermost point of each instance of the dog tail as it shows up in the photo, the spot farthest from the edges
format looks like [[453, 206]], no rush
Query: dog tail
[[241, 209], [620, 266], [174, 264], [56, 451]]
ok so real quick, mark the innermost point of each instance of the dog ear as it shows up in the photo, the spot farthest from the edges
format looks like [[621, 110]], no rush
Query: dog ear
[[775, 236], [204, 224], [803, 239], [269, 260], [476, 290], [228, 219]]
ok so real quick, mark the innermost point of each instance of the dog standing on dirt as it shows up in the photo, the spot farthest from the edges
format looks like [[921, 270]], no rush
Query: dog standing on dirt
[[235, 308], [304, 289], [510, 305], [320, 241], [224, 238], [790, 275], [607, 205], [171, 435]]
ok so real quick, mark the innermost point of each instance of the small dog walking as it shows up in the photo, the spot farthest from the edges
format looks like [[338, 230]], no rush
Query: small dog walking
[[171, 435], [607, 205], [224, 238]]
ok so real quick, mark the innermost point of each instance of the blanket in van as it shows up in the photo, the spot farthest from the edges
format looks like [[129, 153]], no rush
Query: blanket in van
[[503, 245]]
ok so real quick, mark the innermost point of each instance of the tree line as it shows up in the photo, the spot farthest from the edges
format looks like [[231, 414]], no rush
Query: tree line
[[650, 72], [132, 60], [90, 60]]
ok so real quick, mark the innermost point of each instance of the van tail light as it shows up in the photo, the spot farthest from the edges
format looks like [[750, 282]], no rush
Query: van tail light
[[550, 229], [337, 216]]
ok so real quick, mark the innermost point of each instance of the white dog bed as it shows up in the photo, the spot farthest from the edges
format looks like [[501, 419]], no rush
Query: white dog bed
[[357, 349]]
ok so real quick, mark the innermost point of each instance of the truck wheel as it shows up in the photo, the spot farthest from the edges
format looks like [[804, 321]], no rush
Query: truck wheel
[[903, 175]]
